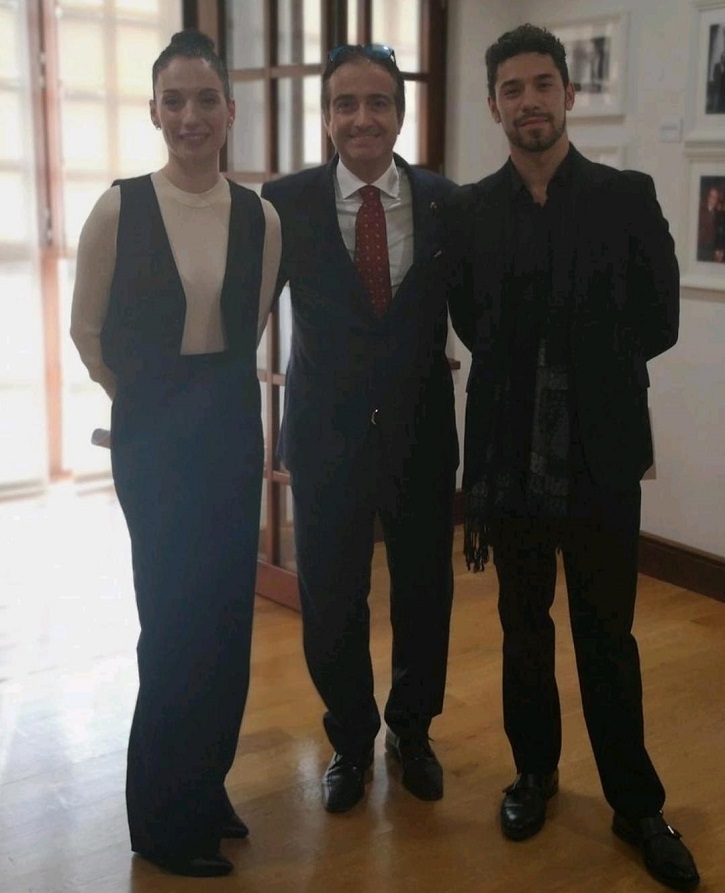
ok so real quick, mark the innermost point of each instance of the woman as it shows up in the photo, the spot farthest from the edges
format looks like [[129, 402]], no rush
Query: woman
[[175, 277]]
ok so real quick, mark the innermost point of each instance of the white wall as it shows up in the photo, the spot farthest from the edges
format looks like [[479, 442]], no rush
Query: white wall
[[686, 500]]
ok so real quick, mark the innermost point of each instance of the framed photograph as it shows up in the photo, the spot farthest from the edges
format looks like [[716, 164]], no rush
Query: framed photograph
[[611, 155], [703, 264], [596, 53], [706, 88]]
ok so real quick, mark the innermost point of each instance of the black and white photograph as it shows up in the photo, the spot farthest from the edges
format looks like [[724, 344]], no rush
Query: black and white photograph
[[715, 94], [596, 54], [588, 62]]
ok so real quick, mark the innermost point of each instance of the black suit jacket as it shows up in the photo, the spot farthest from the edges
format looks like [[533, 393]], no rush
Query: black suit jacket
[[346, 362], [614, 264]]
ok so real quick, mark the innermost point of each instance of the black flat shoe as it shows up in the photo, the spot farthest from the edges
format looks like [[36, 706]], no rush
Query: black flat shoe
[[665, 855], [422, 774], [209, 865], [523, 810], [343, 784], [234, 827]]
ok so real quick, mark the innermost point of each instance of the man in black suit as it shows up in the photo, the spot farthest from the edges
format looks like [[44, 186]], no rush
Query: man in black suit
[[565, 284], [369, 425]]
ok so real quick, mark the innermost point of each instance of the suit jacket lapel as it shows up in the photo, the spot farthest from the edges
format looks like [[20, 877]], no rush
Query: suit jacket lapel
[[322, 220], [341, 263]]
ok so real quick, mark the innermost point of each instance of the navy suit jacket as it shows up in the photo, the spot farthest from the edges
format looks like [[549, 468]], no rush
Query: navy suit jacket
[[614, 265], [346, 362]]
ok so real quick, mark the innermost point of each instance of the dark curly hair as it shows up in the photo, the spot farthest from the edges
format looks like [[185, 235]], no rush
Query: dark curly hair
[[524, 39], [192, 44]]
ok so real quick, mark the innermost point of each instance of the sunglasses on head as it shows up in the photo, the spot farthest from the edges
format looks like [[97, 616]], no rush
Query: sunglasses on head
[[372, 50]]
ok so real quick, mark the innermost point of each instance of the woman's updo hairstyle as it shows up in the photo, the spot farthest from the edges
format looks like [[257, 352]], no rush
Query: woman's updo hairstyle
[[192, 44]]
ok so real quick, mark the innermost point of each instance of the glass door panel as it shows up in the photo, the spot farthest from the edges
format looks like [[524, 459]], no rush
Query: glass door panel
[[398, 25], [23, 434], [299, 125], [298, 32], [104, 75]]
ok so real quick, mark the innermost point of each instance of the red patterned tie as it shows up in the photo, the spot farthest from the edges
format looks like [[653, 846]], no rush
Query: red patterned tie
[[371, 249]]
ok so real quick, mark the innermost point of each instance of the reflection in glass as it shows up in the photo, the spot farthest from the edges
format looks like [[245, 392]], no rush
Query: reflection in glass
[[246, 145], [299, 121], [245, 34], [398, 25], [299, 34], [407, 144]]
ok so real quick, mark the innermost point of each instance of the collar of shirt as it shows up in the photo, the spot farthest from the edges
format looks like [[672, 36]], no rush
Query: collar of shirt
[[559, 180], [348, 184]]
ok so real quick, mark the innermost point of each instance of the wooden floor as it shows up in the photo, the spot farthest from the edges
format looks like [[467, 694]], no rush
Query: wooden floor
[[67, 686]]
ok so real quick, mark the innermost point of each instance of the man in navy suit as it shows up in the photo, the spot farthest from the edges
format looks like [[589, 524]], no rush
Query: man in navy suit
[[369, 425], [565, 285]]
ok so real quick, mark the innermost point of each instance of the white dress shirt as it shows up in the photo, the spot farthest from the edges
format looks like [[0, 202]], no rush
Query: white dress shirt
[[397, 200]]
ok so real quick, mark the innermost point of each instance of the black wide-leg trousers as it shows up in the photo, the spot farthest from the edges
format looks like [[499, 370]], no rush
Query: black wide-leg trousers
[[187, 461]]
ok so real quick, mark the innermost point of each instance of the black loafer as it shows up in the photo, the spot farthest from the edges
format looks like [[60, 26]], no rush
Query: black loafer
[[523, 809], [665, 855], [208, 865], [343, 784], [422, 774], [233, 826]]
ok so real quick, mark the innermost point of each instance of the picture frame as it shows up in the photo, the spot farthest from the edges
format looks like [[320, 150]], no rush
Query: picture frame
[[611, 155], [596, 55], [705, 115], [703, 260]]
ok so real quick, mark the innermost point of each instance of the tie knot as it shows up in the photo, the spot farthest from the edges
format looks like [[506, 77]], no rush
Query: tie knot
[[369, 193]]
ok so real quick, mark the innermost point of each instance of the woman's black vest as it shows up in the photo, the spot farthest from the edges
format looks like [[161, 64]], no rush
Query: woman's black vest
[[144, 325]]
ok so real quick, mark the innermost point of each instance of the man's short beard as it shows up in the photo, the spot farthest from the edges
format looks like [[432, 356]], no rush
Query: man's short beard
[[539, 143]]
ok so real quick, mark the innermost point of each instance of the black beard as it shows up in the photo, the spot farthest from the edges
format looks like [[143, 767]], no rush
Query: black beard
[[533, 142]]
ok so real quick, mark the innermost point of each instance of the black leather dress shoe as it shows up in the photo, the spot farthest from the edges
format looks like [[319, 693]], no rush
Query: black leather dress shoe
[[233, 826], [343, 784], [422, 773], [208, 865], [665, 856], [523, 809]]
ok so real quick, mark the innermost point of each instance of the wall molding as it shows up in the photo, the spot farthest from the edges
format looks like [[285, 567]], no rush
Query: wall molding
[[662, 559], [684, 566]]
